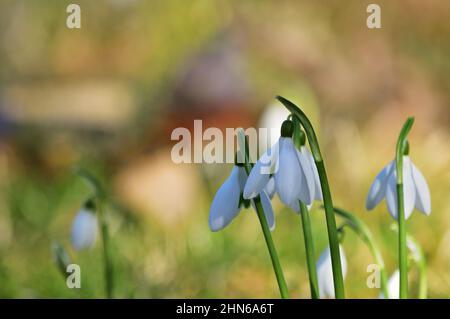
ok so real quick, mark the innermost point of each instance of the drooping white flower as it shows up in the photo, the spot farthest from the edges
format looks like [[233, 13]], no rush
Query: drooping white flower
[[295, 173], [325, 272], [226, 204], [393, 286], [415, 189], [84, 229]]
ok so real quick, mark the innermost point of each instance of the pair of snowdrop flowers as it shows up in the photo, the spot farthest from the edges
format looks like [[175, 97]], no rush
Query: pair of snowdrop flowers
[[284, 169], [415, 189], [84, 227]]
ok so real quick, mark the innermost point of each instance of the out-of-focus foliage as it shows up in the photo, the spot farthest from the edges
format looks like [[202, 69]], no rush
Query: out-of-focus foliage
[[107, 96]]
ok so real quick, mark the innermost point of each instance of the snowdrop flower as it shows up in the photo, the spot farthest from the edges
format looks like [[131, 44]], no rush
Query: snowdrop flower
[[325, 272], [295, 173], [227, 202], [84, 228], [415, 189], [393, 286]]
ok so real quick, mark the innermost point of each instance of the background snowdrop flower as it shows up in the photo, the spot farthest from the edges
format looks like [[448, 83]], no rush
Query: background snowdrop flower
[[393, 286], [415, 189], [272, 119], [325, 273], [295, 175], [226, 204], [84, 229]]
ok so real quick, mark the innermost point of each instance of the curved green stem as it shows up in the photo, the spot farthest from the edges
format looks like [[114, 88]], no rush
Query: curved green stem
[[101, 198], [338, 278], [243, 147], [420, 261], [423, 281], [309, 249], [403, 266], [272, 250], [366, 236]]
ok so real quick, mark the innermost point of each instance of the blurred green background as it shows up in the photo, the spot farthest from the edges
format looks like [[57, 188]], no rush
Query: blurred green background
[[107, 96]]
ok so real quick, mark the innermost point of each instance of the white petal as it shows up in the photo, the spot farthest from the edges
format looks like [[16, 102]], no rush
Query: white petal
[[423, 199], [325, 272], [409, 188], [268, 211], [260, 174], [317, 186], [393, 286], [288, 178], [308, 187], [415, 250], [225, 205], [270, 187], [377, 190], [84, 229], [409, 191]]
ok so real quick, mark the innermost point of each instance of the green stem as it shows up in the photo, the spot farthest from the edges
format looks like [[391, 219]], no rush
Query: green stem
[[109, 277], [403, 266], [423, 282], [338, 278], [272, 250], [100, 195], [366, 236], [243, 147], [309, 249], [403, 252]]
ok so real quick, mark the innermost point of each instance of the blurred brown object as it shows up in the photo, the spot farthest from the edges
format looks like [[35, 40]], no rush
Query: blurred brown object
[[212, 87], [156, 186]]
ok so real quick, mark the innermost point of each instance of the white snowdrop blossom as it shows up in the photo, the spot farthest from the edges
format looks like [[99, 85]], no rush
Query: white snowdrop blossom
[[393, 286], [415, 189], [294, 171], [325, 272], [84, 229], [227, 203]]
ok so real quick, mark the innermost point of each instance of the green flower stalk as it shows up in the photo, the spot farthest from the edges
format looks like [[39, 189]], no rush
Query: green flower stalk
[[404, 187], [296, 181], [309, 249], [229, 200], [98, 204], [402, 147], [243, 146], [338, 279], [418, 258], [299, 141], [366, 236]]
